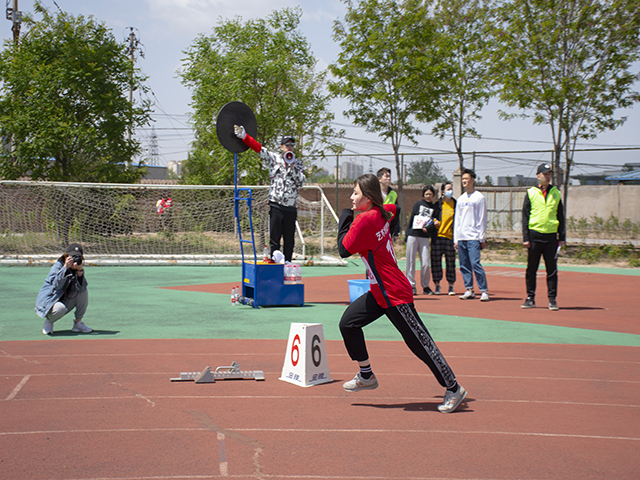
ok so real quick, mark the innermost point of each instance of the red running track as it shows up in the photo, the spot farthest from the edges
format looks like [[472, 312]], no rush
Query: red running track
[[105, 409]]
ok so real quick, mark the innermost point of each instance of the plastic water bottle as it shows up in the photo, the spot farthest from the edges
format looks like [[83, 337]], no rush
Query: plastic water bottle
[[297, 273], [288, 274], [237, 302], [234, 299], [265, 254]]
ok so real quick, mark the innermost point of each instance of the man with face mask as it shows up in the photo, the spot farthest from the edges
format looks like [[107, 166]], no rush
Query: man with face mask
[[286, 173], [443, 243]]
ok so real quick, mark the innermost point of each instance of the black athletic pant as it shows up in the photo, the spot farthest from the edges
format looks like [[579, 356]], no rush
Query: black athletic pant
[[365, 310], [282, 224], [545, 246]]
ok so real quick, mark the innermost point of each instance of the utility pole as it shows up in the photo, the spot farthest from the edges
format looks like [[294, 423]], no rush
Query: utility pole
[[337, 174], [15, 16]]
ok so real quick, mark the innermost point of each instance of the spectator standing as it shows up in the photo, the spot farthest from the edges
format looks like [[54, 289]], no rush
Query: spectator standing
[[443, 242], [422, 229], [543, 233], [389, 197], [469, 236]]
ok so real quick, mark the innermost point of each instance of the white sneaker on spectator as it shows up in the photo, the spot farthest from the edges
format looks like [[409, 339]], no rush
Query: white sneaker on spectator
[[80, 327], [484, 297], [467, 295], [47, 328]]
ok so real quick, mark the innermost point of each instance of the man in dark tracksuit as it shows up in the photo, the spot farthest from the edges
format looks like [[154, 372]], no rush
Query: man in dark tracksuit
[[543, 232]]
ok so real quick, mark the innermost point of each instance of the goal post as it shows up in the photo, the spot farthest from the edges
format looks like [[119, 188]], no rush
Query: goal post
[[138, 224]]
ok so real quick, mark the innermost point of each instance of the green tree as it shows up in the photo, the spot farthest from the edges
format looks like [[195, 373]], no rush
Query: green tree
[[488, 181], [267, 64], [460, 39], [64, 104], [385, 68], [567, 65], [426, 172]]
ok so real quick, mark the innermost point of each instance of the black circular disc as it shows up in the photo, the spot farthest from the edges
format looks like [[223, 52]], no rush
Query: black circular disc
[[235, 113]]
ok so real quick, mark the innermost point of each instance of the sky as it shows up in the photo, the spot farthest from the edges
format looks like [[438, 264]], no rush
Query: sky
[[166, 28]]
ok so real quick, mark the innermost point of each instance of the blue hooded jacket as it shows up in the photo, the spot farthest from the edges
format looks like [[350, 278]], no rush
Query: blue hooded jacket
[[58, 282]]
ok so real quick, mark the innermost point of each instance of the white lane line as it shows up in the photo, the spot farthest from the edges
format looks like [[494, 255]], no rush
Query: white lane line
[[337, 355], [222, 455], [550, 359], [18, 388], [327, 430], [446, 432], [566, 379], [326, 397], [282, 476], [394, 374]]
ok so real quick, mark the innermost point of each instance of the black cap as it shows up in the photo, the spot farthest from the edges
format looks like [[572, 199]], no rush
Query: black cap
[[286, 138], [544, 168], [74, 249]]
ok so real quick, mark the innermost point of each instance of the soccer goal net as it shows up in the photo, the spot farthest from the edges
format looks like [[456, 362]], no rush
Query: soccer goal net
[[152, 224]]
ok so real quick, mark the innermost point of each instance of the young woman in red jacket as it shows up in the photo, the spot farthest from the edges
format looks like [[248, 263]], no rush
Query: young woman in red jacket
[[390, 293]]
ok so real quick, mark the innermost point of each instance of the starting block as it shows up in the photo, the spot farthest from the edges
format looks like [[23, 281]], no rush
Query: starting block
[[231, 372]]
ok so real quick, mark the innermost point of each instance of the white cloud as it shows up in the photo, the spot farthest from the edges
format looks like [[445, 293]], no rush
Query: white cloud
[[196, 16]]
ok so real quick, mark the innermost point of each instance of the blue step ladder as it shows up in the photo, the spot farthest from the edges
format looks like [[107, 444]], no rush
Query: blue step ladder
[[262, 282]]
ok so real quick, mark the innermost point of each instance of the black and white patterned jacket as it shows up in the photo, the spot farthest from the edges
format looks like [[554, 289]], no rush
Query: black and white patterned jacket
[[285, 182]]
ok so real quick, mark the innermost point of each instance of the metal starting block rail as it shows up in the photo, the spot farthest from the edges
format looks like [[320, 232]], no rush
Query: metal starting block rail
[[231, 372]]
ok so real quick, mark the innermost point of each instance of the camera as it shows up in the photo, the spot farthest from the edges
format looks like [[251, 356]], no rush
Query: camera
[[289, 157], [77, 259]]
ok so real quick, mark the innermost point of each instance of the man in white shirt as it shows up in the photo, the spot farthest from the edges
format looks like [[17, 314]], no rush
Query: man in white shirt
[[469, 235]]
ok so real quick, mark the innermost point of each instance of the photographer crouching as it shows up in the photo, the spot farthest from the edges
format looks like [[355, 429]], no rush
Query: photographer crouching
[[286, 173], [64, 289]]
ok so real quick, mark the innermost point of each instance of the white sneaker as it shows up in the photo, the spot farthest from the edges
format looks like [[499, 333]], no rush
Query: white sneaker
[[452, 400], [80, 327], [467, 295], [484, 297], [47, 328], [451, 291], [358, 383]]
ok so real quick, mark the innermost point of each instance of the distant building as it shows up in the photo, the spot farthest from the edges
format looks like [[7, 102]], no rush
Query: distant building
[[154, 172], [517, 181], [350, 171], [175, 167], [607, 177]]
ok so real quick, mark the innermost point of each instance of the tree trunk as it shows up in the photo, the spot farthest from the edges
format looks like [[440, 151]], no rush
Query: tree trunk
[[399, 168]]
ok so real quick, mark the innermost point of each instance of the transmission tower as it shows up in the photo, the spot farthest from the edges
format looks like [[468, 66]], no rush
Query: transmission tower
[[154, 156], [134, 49]]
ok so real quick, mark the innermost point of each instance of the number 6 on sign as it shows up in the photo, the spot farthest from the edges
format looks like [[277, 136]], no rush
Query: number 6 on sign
[[295, 351], [305, 362]]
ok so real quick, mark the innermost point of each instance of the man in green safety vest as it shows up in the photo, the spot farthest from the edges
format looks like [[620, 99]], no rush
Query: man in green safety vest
[[543, 232], [389, 196]]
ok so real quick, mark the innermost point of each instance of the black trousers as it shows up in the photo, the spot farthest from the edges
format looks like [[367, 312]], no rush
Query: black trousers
[[282, 224], [365, 310], [546, 248], [443, 246]]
